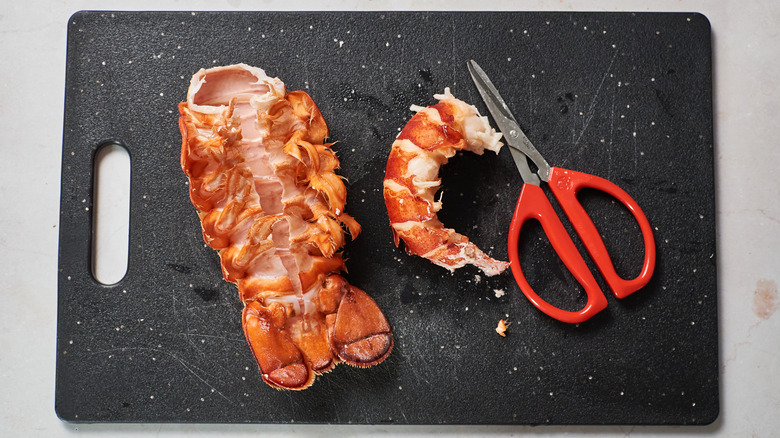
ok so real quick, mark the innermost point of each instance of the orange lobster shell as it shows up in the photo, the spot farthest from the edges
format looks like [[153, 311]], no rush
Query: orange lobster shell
[[262, 179]]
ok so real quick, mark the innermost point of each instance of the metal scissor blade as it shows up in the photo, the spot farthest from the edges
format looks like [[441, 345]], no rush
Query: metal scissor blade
[[515, 137], [492, 98], [521, 161]]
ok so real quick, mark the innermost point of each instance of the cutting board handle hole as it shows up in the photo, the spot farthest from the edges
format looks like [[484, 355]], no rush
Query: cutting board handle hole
[[111, 213]]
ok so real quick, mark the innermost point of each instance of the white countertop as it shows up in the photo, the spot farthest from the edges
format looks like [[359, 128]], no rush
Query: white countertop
[[747, 103]]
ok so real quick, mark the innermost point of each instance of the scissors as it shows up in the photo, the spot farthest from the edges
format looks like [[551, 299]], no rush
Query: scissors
[[534, 204]]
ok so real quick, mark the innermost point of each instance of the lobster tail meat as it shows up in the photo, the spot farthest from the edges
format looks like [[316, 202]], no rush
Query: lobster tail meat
[[430, 138], [263, 181]]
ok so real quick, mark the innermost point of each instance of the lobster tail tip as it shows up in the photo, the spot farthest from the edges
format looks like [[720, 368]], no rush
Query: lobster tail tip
[[295, 377], [361, 335], [281, 362], [367, 352]]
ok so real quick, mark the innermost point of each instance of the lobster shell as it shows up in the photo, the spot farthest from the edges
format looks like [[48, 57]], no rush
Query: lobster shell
[[263, 181]]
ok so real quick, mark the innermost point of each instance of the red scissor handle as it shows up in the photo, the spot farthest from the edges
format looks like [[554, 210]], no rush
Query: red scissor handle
[[565, 184], [533, 204]]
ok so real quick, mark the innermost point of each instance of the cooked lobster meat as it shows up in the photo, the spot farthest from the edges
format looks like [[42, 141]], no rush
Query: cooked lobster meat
[[263, 181], [430, 138]]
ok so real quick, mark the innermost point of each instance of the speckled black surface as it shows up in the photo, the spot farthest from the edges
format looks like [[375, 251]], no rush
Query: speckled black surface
[[624, 96]]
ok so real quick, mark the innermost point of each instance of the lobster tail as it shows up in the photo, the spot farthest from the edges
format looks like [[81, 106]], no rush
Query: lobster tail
[[264, 182]]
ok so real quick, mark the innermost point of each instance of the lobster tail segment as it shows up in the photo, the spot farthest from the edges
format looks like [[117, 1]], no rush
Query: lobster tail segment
[[282, 363], [359, 332], [291, 350]]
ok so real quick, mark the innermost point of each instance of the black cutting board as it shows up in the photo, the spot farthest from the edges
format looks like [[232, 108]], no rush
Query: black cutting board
[[620, 95]]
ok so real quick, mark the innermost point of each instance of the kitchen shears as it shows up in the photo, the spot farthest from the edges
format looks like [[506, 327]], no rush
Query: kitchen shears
[[534, 204]]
